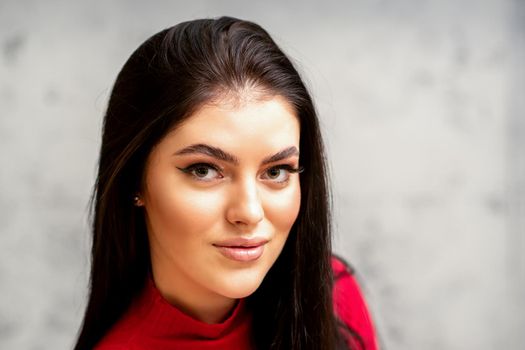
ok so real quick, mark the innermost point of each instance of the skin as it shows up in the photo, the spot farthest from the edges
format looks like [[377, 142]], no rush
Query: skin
[[189, 209]]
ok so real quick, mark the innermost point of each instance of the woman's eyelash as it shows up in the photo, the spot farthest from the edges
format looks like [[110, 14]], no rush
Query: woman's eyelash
[[191, 168], [289, 168], [282, 170]]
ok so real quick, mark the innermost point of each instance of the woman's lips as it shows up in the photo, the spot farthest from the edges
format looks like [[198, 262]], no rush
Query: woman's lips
[[242, 252]]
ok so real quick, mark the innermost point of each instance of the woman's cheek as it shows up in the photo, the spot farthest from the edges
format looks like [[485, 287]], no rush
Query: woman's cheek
[[180, 210], [284, 207], [196, 208]]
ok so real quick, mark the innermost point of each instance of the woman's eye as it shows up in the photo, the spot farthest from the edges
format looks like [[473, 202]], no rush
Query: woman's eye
[[280, 173], [202, 172], [277, 174]]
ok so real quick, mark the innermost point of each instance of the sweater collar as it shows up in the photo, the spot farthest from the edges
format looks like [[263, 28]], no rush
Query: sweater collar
[[167, 321]]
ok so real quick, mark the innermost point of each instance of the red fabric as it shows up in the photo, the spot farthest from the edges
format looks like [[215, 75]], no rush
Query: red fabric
[[152, 323], [351, 308]]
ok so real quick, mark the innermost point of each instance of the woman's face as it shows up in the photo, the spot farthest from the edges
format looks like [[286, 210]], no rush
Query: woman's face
[[221, 194]]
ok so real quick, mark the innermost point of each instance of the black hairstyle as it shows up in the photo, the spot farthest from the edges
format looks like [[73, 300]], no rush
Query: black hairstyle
[[166, 80]]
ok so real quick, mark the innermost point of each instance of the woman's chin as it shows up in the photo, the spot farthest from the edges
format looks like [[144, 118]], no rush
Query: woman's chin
[[241, 289]]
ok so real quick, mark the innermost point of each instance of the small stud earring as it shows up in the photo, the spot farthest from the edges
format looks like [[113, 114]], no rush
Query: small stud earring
[[136, 201]]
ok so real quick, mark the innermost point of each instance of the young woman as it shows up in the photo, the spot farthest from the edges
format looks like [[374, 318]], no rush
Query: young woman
[[211, 216]]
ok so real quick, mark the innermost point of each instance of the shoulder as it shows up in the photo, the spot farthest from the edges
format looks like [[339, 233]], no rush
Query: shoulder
[[109, 346], [119, 337], [115, 339], [350, 305], [125, 333]]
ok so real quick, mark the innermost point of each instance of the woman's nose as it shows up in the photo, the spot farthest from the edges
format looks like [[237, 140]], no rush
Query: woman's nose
[[245, 207]]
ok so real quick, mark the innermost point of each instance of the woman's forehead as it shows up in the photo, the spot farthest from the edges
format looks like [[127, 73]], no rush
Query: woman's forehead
[[253, 129], [257, 119]]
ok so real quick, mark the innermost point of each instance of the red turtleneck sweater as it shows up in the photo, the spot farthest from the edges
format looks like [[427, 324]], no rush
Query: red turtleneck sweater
[[153, 323]]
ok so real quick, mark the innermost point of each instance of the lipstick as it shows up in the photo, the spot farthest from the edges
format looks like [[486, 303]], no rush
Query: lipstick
[[242, 249]]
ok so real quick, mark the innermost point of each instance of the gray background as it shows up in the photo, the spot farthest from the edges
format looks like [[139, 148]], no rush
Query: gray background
[[422, 108]]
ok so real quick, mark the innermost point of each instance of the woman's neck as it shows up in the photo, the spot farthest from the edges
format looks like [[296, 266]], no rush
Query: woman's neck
[[199, 303]]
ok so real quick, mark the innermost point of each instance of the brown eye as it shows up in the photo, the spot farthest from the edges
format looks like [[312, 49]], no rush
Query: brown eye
[[202, 172], [274, 173], [277, 174], [281, 173]]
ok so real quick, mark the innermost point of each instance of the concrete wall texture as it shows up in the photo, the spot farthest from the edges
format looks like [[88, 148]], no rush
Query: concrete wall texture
[[421, 104]]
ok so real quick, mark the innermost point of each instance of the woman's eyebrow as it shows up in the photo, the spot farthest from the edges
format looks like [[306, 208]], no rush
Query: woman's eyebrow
[[219, 154], [284, 154], [209, 151]]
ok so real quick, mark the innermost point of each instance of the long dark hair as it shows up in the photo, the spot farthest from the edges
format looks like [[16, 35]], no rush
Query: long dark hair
[[164, 81]]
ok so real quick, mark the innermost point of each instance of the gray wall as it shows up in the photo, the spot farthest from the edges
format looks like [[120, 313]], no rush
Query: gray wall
[[422, 108]]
